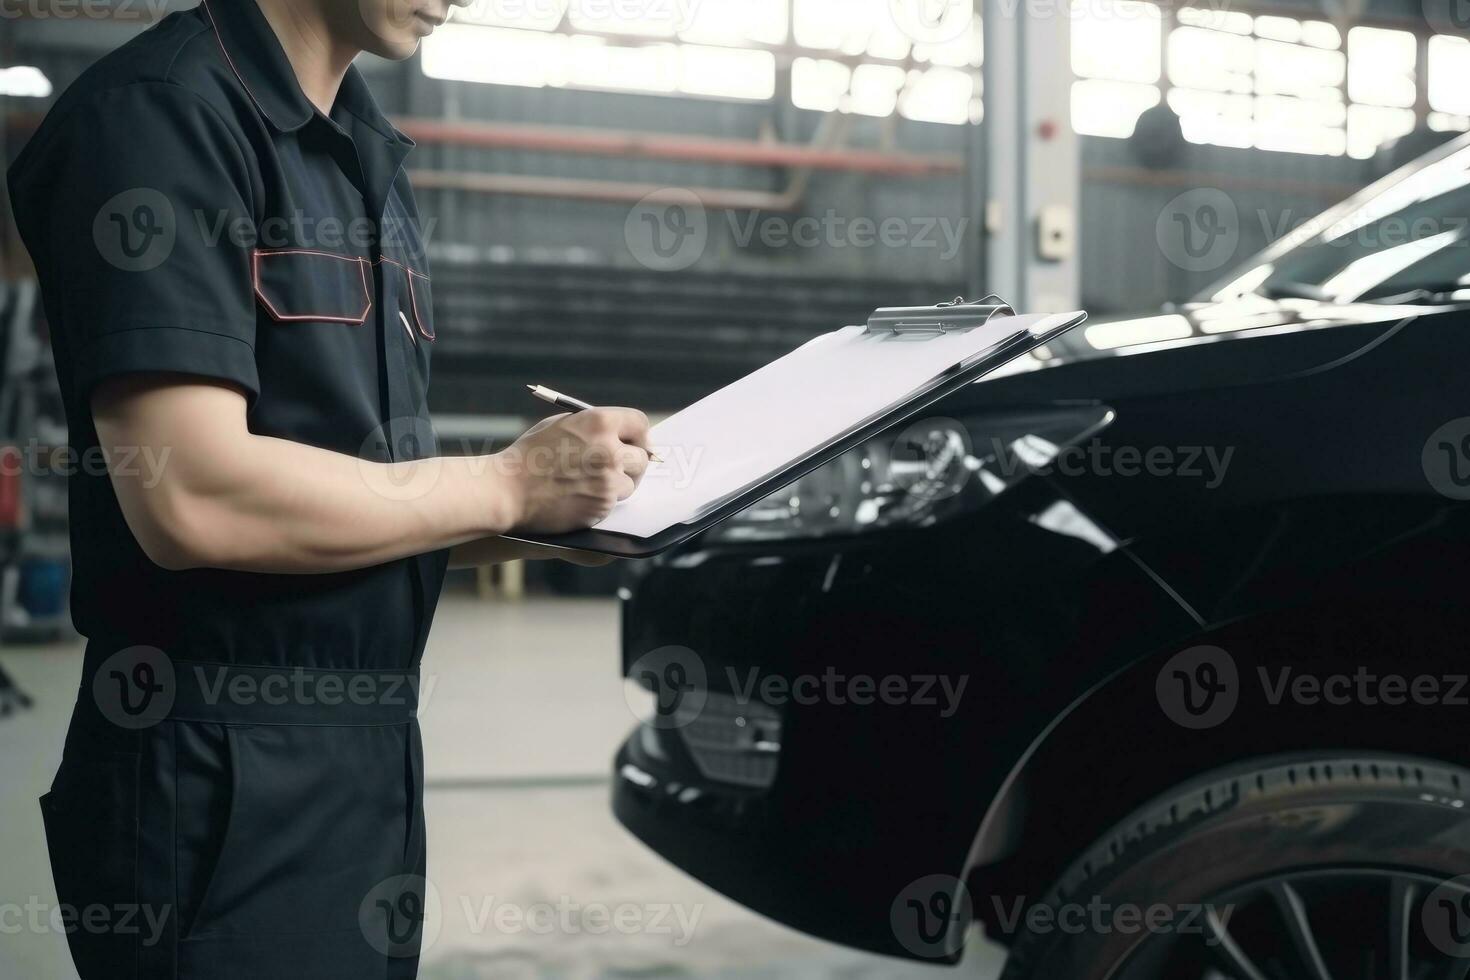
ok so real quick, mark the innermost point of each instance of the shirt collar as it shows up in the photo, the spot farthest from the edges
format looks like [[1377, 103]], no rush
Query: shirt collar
[[357, 98], [254, 54]]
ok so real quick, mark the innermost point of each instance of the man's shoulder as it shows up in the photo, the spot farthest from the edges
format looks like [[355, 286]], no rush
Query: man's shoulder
[[177, 58]]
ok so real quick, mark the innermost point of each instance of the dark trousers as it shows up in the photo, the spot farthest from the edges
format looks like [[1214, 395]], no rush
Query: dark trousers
[[267, 836]]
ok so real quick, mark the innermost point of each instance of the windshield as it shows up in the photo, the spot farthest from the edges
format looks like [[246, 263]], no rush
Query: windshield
[[1407, 236]]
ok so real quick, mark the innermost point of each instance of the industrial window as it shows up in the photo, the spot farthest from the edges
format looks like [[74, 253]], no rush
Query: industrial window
[[863, 61], [940, 95], [540, 60], [851, 27], [1383, 66], [1122, 40], [874, 90], [1272, 83], [746, 22], [1267, 82], [819, 84], [1117, 58], [1449, 83], [852, 56]]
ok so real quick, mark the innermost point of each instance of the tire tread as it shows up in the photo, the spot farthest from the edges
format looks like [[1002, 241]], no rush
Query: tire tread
[[1256, 782]]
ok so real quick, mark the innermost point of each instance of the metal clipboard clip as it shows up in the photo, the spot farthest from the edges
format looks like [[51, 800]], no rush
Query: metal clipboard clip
[[957, 314]]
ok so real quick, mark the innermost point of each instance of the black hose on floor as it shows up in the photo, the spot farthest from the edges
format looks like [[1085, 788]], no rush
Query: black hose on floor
[[12, 698]]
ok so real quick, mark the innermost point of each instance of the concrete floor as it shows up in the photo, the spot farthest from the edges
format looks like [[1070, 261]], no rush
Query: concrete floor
[[523, 707]]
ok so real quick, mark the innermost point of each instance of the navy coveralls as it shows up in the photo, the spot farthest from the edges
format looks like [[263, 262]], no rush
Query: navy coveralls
[[243, 765]]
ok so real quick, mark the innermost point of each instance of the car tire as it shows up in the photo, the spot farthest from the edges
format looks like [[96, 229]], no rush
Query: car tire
[[1311, 866]]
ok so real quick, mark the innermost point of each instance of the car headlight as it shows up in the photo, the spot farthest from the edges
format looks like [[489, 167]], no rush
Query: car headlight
[[927, 473]]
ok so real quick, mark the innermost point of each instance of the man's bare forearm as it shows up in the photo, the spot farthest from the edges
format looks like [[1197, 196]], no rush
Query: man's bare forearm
[[223, 497], [301, 509]]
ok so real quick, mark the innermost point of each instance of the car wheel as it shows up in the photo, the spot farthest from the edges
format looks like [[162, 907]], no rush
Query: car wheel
[[1340, 867]]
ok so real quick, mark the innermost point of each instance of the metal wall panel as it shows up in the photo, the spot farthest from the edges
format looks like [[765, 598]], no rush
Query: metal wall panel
[[1271, 191], [540, 229]]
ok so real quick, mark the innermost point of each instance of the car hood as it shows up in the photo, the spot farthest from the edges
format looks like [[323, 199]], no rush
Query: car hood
[[1209, 323]]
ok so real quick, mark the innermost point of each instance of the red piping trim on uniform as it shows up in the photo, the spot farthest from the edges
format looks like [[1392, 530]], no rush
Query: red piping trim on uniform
[[361, 264], [228, 60], [407, 269], [413, 295]]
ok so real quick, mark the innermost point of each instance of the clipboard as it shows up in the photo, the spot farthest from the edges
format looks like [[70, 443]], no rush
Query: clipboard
[[914, 323]]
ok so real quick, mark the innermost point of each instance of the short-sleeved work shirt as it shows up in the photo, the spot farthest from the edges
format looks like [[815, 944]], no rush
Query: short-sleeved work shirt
[[190, 212]]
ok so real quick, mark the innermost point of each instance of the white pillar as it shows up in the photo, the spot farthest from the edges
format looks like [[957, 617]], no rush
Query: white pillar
[[1032, 170]]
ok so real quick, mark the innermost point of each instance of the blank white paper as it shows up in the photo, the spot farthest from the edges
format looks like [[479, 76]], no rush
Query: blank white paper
[[835, 383]]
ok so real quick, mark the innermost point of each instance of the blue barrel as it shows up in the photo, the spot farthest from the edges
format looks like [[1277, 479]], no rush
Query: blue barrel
[[42, 587]]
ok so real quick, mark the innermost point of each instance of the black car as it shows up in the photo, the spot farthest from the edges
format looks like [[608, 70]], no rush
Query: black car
[[1148, 656]]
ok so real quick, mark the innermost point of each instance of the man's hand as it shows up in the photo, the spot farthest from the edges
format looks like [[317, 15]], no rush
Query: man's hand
[[570, 471]]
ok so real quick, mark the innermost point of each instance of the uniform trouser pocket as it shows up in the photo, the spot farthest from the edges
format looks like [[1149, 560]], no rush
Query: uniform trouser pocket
[[285, 831], [91, 822]]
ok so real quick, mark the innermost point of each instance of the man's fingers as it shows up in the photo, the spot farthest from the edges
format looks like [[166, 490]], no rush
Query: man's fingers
[[605, 455], [635, 462], [626, 485], [628, 424]]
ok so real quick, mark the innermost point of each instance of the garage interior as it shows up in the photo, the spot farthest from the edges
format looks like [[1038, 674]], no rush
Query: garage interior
[[1035, 152]]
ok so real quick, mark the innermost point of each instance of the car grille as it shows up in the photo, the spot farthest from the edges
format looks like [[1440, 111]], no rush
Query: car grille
[[735, 742]]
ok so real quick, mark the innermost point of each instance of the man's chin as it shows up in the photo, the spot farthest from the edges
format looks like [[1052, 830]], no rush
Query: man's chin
[[396, 49]]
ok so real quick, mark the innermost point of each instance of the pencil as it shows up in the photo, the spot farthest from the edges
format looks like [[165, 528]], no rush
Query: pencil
[[568, 403]]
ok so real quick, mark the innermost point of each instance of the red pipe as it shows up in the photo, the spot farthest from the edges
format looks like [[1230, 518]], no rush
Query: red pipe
[[657, 146], [704, 149], [606, 191]]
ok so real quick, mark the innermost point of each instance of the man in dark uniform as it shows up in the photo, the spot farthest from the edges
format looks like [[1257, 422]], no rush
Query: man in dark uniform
[[242, 316]]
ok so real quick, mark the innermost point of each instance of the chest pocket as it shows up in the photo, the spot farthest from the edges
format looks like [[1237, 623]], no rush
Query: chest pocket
[[418, 297], [304, 285]]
